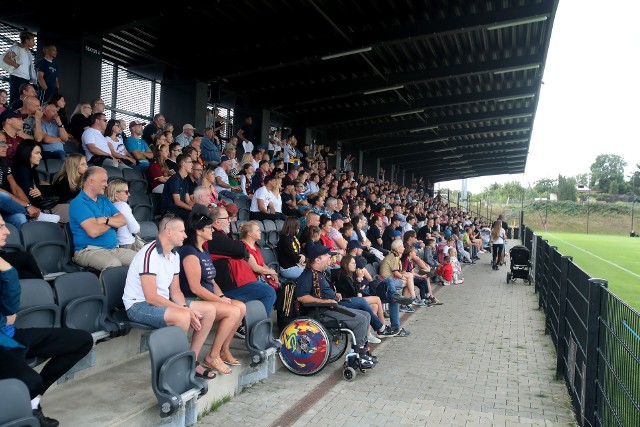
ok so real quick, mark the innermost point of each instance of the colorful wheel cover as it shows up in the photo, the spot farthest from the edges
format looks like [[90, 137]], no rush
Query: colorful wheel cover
[[304, 347]]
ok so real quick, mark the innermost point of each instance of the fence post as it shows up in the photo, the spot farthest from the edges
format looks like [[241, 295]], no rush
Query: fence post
[[547, 285], [589, 384], [564, 270]]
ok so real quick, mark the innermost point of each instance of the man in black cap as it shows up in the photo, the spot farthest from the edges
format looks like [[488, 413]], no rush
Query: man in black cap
[[312, 287]]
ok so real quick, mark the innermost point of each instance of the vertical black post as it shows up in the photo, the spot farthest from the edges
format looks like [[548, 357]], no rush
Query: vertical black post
[[562, 321], [596, 295], [547, 286]]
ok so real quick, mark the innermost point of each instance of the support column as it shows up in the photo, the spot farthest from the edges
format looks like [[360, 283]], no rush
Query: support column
[[360, 158], [338, 156], [393, 172], [377, 169], [403, 176]]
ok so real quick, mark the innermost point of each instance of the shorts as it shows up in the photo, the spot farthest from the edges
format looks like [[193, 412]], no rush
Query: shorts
[[147, 314]]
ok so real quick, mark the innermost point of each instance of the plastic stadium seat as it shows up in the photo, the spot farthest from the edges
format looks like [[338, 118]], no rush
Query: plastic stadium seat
[[148, 230], [14, 240], [243, 214], [113, 281], [142, 212], [113, 172], [82, 302], [38, 308], [259, 338], [138, 185], [271, 232], [15, 405], [270, 259], [131, 174], [173, 368], [279, 224], [47, 243]]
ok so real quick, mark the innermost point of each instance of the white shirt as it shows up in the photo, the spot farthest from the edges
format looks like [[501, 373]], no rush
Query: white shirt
[[95, 137], [254, 164], [262, 194], [247, 145], [277, 202], [225, 178], [150, 260], [313, 187], [23, 57], [126, 232]]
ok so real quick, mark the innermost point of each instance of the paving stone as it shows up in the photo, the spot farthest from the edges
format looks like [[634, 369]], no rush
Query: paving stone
[[480, 359]]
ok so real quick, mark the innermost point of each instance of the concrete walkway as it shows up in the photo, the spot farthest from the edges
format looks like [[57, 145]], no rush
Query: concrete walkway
[[482, 358]]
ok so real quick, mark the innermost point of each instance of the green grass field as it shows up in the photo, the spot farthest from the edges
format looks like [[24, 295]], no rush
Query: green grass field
[[614, 258]]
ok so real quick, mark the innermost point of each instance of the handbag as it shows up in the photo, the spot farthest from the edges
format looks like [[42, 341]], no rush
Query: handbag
[[8, 68], [271, 281], [47, 202]]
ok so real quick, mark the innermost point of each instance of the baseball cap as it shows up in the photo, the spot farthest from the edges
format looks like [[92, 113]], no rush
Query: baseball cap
[[136, 123], [232, 209], [8, 114], [397, 233], [396, 218], [337, 216], [354, 244], [315, 251], [188, 126]]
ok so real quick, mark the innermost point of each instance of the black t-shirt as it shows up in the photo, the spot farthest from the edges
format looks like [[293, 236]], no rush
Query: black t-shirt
[[247, 132], [286, 209], [5, 171], [373, 234], [422, 233], [387, 237], [77, 125]]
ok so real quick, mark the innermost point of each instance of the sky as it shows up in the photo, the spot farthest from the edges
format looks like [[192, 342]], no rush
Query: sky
[[588, 102]]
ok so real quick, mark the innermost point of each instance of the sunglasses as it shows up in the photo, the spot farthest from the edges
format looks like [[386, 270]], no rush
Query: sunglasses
[[123, 191]]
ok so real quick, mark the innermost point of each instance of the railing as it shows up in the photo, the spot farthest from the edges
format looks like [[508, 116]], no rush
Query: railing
[[596, 335]]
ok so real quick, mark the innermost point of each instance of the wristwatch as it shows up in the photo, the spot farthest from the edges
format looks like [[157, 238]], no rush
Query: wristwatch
[[26, 208], [106, 219], [60, 126]]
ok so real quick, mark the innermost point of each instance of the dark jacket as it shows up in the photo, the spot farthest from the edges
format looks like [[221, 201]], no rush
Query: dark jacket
[[9, 304], [288, 256], [346, 286]]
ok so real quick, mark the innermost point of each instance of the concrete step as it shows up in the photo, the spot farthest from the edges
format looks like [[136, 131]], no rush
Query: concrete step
[[121, 395]]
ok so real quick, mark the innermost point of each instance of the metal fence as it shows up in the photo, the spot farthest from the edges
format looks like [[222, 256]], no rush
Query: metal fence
[[596, 335]]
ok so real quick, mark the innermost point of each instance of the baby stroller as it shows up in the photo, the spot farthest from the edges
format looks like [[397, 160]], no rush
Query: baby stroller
[[485, 236], [519, 264]]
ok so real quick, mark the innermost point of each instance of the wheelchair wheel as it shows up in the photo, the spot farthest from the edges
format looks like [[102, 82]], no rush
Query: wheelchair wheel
[[339, 344], [349, 374], [508, 277], [305, 346]]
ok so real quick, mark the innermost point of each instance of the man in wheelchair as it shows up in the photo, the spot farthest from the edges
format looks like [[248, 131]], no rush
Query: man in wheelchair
[[312, 287]]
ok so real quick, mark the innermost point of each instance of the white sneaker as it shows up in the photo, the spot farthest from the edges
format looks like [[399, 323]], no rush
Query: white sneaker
[[373, 339], [48, 217]]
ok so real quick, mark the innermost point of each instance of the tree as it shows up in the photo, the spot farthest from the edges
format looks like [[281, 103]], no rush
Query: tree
[[567, 189], [606, 169], [546, 185], [582, 178]]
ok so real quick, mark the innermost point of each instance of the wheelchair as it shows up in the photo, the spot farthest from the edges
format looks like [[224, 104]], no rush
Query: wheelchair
[[308, 345]]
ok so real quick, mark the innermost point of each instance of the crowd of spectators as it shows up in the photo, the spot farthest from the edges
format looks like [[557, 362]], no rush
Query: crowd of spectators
[[373, 246]]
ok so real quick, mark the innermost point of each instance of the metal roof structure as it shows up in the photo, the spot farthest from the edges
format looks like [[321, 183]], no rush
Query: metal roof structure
[[444, 89]]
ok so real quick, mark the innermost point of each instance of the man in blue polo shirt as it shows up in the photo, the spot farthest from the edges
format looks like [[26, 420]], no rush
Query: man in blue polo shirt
[[176, 198], [94, 220]]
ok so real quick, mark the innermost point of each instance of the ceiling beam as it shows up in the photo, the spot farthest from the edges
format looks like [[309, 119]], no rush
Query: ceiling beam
[[264, 60], [467, 148], [356, 86], [359, 113], [353, 133]]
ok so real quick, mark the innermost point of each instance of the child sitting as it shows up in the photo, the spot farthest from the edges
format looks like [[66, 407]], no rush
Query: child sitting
[[445, 271], [457, 268]]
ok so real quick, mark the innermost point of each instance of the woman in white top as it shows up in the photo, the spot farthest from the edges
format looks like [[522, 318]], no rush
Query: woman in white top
[[245, 179], [113, 137], [497, 243], [118, 193]]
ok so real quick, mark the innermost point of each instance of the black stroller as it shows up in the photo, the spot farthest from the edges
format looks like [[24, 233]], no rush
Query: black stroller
[[519, 256]]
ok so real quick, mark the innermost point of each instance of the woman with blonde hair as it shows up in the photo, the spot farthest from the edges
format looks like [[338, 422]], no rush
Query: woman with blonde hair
[[80, 120], [498, 236], [249, 235], [68, 183], [118, 194]]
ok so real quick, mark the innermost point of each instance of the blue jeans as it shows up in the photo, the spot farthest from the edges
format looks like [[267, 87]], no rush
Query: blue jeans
[[232, 195], [254, 291], [360, 303], [12, 211], [385, 290], [291, 272]]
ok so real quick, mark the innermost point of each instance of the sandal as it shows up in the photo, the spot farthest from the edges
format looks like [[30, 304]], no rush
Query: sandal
[[230, 360], [218, 365], [206, 374]]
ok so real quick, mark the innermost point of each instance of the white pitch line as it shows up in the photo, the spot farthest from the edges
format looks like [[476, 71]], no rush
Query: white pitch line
[[595, 256]]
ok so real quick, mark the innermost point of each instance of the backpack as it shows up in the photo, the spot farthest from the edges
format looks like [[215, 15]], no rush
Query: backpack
[[287, 307]]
